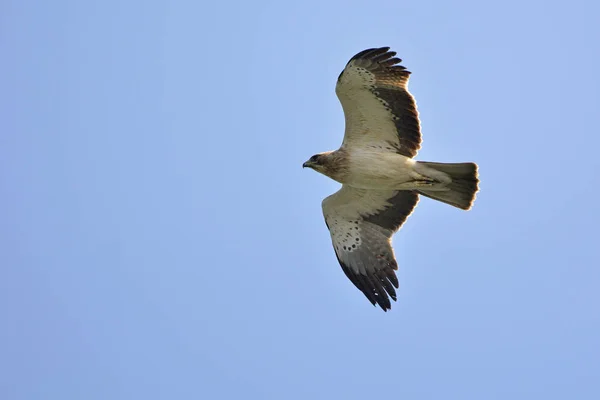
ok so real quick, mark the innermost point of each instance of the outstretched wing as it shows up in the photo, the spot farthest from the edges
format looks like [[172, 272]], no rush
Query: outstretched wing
[[361, 224], [378, 108]]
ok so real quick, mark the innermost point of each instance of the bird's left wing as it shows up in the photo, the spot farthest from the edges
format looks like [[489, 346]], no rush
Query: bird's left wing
[[379, 110], [361, 224]]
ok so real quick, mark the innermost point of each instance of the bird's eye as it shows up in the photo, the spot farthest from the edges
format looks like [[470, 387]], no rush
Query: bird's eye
[[314, 158]]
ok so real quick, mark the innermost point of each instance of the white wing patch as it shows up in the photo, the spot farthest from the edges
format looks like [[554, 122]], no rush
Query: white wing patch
[[346, 239], [369, 118], [345, 234], [353, 74]]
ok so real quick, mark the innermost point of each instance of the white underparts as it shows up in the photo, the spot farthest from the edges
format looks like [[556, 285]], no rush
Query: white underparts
[[389, 170]]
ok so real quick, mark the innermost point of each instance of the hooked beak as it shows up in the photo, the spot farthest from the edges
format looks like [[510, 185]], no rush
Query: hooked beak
[[307, 164]]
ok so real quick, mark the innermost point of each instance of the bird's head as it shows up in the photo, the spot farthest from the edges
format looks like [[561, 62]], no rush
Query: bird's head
[[330, 163], [317, 162]]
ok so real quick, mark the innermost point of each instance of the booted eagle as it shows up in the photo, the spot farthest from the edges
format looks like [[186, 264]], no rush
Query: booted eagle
[[380, 180]]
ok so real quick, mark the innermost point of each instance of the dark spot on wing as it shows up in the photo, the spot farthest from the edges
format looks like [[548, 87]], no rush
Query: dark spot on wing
[[392, 218], [405, 117]]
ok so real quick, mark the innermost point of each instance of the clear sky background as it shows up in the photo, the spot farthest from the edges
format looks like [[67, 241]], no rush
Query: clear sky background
[[160, 240]]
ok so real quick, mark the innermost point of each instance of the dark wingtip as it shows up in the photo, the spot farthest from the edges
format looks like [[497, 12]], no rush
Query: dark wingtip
[[377, 289], [381, 56], [374, 50], [371, 53]]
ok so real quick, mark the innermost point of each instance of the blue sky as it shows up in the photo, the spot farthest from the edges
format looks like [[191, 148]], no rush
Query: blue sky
[[160, 239]]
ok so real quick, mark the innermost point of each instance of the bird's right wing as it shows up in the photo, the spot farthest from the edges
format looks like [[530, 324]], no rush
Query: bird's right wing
[[361, 224]]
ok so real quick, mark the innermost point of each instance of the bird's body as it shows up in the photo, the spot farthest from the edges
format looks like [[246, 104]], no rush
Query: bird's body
[[371, 169], [381, 180]]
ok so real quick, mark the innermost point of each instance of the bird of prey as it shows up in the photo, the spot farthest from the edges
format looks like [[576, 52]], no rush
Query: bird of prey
[[381, 182]]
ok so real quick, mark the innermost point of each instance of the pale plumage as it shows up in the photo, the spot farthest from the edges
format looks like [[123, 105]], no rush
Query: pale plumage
[[381, 181]]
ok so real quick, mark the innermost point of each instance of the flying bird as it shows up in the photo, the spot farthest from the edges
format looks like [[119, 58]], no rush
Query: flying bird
[[381, 182]]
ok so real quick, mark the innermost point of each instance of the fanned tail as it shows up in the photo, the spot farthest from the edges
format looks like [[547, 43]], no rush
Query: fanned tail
[[463, 188]]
